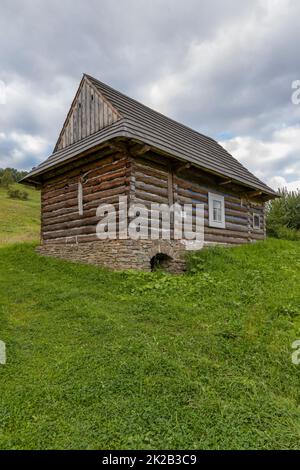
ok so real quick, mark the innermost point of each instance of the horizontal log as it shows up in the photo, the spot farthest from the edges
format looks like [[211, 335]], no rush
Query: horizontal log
[[202, 189], [187, 197], [97, 192], [106, 182], [89, 229], [64, 196], [83, 165], [62, 214], [66, 227], [152, 180], [60, 205], [76, 223], [225, 232], [48, 194], [65, 217], [143, 196], [222, 239], [58, 213], [68, 217], [107, 176], [88, 218], [80, 239], [92, 191], [104, 173], [91, 194], [151, 170], [103, 195], [229, 207], [151, 189], [257, 236]]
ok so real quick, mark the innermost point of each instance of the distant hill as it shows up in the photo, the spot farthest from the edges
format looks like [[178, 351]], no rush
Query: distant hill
[[19, 220]]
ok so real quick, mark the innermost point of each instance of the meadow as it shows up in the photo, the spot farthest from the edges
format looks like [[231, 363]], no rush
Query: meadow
[[99, 359], [19, 220]]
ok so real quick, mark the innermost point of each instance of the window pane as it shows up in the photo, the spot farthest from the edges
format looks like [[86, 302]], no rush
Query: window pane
[[217, 211], [256, 221]]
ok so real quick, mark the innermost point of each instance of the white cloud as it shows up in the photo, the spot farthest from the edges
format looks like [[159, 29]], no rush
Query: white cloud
[[280, 153], [277, 182], [21, 150], [28, 108], [35, 145], [232, 80]]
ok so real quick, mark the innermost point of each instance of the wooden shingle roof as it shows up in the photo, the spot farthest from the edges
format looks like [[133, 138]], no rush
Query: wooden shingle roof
[[142, 123]]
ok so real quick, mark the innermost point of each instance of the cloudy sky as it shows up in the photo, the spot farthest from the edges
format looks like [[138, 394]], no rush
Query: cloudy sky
[[222, 67]]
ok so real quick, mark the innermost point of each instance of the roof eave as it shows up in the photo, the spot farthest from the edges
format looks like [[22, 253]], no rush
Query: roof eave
[[34, 177], [265, 189], [30, 181]]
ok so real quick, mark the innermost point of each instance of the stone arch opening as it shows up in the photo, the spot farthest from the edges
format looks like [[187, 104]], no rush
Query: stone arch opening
[[161, 261]]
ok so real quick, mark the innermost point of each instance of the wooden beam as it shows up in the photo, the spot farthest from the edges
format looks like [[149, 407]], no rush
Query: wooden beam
[[182, 167], [252, 193], [255, 193], [222, 183], [117, 146], [139, 150]]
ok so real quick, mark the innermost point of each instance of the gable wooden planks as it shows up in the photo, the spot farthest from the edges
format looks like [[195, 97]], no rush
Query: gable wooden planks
[[89, 113]]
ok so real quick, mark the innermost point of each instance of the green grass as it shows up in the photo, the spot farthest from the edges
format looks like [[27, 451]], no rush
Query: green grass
[[19, 220], [98, 359]]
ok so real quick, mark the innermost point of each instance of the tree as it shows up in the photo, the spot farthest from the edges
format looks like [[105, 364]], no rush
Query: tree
[[7, 178], [11, 175], [283, 214]]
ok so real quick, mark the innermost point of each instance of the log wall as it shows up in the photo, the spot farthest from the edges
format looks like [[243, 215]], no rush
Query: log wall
[[157, 182], [102, 181], [103, 177]]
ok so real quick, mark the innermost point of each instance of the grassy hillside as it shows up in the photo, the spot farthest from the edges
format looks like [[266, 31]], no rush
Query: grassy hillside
[[19, 220], [125, 360]]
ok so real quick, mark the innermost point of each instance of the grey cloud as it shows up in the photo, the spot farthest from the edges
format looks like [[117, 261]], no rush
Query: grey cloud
[[230, 64]]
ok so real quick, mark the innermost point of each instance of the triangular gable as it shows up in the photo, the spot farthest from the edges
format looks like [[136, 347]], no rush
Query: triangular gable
[[89, 112]]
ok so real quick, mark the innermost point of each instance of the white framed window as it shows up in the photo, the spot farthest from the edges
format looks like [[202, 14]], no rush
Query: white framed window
[[256, 221], [216, 210]]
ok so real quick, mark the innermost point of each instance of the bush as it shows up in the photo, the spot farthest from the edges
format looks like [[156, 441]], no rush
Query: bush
[[280, 231], [17, 194], [283, 215]]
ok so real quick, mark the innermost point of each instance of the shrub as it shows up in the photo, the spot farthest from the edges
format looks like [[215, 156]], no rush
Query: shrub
[[286, 233], [283, 215], [17, 194]]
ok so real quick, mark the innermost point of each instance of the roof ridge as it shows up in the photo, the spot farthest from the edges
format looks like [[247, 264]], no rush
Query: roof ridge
[[153, 110]]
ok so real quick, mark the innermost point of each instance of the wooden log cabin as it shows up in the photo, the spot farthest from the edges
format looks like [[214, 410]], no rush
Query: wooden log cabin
[[111, 145]]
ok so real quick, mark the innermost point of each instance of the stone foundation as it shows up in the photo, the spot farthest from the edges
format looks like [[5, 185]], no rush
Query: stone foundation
[[121, 254]]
